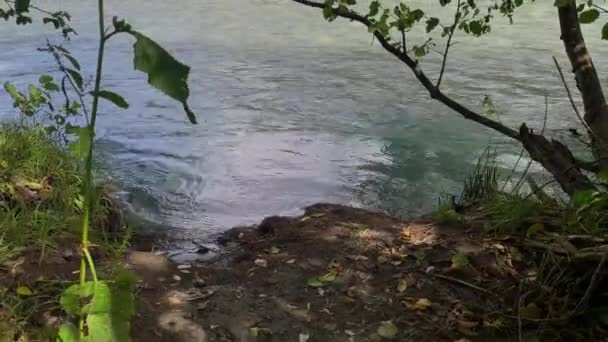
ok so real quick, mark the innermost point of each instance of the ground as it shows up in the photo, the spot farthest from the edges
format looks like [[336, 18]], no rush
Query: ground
[[335, 273]]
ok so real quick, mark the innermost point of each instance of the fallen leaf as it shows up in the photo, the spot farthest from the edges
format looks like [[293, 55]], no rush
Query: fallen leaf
[[422, 304], [261, 263], [254, 331], [274, 250], [303, 337], [202, 306], [176, 277], [314, 282], [184, 267], [387, 329], [291, 261], [349, 332], [24, 291], [402, 286], [328, 277]]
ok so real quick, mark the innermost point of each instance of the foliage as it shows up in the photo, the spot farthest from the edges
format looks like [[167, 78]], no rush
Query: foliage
[[103, 308]]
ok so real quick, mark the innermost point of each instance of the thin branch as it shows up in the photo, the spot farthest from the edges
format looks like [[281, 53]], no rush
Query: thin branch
[[448, 44], [420, 75], [403, 41], [42, 11], [578, 114], [461, 282], [600, 8]]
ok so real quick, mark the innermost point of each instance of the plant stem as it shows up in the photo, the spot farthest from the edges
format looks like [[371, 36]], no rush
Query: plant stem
[[87, 190]]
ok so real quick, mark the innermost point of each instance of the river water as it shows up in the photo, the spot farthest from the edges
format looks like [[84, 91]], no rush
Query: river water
[[294, 110]]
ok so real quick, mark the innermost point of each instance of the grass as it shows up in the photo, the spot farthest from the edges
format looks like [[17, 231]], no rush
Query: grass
[[40, 209]]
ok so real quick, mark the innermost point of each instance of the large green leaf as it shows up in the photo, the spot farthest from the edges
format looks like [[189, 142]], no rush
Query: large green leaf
[[71, 298], [165, 73], [109, 314], [589, 16]]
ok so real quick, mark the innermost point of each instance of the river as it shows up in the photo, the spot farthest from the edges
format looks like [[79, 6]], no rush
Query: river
[[294, 110]]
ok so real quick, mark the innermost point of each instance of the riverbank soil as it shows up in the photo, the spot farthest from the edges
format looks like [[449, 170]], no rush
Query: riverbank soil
[[338, 273], [335, 273]]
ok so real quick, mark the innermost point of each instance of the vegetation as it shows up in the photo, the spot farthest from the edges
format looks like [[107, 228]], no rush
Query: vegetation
[[38, 172]]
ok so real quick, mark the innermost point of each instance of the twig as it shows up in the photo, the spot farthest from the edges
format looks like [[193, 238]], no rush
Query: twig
[[578, 114], [461, 282], [403, 42], [448, 44], [580, 307]]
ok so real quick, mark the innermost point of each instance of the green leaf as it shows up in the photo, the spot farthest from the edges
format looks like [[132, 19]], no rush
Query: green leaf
[[431, 23], [22, 6], [165, 73], [71, 298], [76, 77], [45, 79], [51, 86], [80, 147], [328, 277], [68, 333], [605, 32], [561, 3], [374, 7], [109, 314], [314, 282], [24, 291], [475, 27], [419, 51], [13, 92], [582, 198], [112, 97], [589, 16], [72, 60]]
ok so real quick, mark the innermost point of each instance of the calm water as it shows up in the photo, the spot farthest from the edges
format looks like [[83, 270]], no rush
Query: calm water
[[294, 110]]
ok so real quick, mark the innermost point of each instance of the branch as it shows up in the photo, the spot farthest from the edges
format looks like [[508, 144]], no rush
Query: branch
[[578, 114], [434, 92], [448, 44]]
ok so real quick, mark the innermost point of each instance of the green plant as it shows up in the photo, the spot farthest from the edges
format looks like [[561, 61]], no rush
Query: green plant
[[103, 308]]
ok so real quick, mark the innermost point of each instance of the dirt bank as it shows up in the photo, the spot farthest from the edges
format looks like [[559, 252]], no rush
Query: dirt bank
[[335, 273]]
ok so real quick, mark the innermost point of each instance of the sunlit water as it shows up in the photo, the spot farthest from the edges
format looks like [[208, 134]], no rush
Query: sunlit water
[[294, 110]]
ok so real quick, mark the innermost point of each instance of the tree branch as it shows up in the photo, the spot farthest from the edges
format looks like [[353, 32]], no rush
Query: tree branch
[[434, 92], [448, 44]]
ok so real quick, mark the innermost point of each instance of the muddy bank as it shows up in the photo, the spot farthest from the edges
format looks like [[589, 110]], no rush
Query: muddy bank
[[335, 273]]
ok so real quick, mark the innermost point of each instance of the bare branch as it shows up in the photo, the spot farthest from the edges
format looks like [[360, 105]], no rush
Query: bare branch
[[448, 44]]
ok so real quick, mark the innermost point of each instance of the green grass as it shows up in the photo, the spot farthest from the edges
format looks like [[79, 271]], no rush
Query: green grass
[[39, 188]]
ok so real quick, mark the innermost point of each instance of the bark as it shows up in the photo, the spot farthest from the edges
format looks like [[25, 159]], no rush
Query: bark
[[557, 159], [587, 81]]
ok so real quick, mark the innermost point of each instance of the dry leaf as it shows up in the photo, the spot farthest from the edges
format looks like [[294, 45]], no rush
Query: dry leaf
[[402, 286], [261, 263], [422, 304], [274, 250], [387, 329]]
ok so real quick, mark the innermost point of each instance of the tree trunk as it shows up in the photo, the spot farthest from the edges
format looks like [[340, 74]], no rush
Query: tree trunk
[[556, 158], [587, 81]]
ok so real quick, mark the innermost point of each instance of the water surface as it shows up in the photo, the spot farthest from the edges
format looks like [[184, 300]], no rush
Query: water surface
[[294, 110]]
